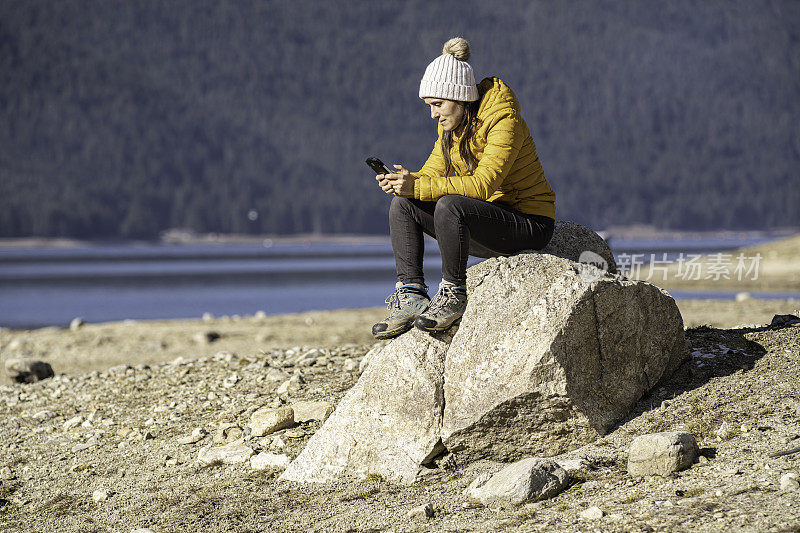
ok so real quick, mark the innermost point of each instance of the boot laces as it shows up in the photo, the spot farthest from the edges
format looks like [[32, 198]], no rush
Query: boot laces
[[444, 297]]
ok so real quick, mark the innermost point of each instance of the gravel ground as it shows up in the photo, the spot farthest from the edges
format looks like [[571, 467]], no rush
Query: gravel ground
[[102, 451]]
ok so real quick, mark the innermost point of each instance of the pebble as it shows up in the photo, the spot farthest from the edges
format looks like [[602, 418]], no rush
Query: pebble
[[789, 482], [196, 435], [229, 455], [725, 431], [92, 442], [227, 433], [45, 415], [350, 364], [73, 423], [592, 513], [292, 384], [25, 370], [423, 511], [142, 530], [266, 420], [206, 337], [100, 495], [77, 323], [6, 473], [264, 461], [307, 411], [231, 380], [591, 486]]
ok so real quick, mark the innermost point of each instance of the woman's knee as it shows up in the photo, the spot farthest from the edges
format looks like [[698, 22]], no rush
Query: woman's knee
[[449, 206], [399, 207]]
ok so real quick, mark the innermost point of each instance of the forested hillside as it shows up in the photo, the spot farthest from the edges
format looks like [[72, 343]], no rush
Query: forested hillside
[[125, 118]]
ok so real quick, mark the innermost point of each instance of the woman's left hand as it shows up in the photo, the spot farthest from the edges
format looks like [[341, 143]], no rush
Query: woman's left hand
[[401, 182]]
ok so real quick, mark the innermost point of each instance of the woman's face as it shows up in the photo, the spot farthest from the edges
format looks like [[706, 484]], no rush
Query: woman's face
[[447, 112]]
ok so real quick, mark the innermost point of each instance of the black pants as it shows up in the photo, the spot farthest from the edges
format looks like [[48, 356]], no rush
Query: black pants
[[463, 227]]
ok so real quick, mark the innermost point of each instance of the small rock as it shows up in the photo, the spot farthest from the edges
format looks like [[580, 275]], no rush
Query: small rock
[[73, 423], [142, 530], [196, 436], [573, 466], [528, 479], [91, 443], [293, 384], [296, 433], [725, 431], [77, 323], [23, 370], [231, 380], [229, 455], [789, 482], [6, 474], [743, 296], [206, 337], [350, 364], [592, 513], [423, 511], [661, 454], [100, 495], [266, 421], [41, 416], [277, 444], [306, 411], [260, 315], [590, 486], [264, 460], [208, 317], [276, 374], [227, 433]]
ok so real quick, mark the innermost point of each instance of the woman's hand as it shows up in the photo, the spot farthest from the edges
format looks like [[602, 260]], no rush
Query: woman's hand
[[400, 183]]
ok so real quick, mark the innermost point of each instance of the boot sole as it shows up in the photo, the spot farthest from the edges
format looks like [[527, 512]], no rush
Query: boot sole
[[437, 329], [383, 335]]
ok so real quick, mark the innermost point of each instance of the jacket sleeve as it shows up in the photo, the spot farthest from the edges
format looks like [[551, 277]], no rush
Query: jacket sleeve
[[503, 143]]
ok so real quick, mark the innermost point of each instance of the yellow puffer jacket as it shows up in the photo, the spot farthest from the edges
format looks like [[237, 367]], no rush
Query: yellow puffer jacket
[[508, 171]]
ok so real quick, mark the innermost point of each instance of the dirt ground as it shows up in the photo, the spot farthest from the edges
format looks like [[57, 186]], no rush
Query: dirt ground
[[102, 450]]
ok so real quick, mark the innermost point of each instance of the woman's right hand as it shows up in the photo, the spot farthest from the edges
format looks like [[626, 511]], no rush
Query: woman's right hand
[[384, 183]]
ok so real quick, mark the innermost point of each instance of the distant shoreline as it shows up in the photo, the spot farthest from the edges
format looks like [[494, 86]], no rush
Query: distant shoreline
[[614, 233]]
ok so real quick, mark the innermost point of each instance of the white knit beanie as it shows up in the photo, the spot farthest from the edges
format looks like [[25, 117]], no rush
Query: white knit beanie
[[449, 76]]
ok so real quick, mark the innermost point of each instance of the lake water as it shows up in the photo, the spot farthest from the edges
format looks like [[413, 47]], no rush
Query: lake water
[[46, 286]]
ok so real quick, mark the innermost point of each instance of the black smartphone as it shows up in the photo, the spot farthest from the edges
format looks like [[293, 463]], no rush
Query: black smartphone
[[378, 166]]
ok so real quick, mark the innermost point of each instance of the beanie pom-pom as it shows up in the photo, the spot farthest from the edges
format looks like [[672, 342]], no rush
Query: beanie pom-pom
[[458, 47]]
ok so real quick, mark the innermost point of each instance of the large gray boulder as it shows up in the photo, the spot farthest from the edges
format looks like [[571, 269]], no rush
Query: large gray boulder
[[389, 422], [550, 354], [580, 244]]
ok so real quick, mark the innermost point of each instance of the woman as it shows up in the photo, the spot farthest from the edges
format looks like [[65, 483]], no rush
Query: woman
[[481, 192]]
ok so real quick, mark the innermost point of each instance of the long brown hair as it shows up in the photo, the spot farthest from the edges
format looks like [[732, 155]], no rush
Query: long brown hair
[[470, 124]]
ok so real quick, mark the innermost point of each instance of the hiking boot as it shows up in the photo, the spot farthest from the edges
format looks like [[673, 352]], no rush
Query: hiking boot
[[405, 303], [446, 308]]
